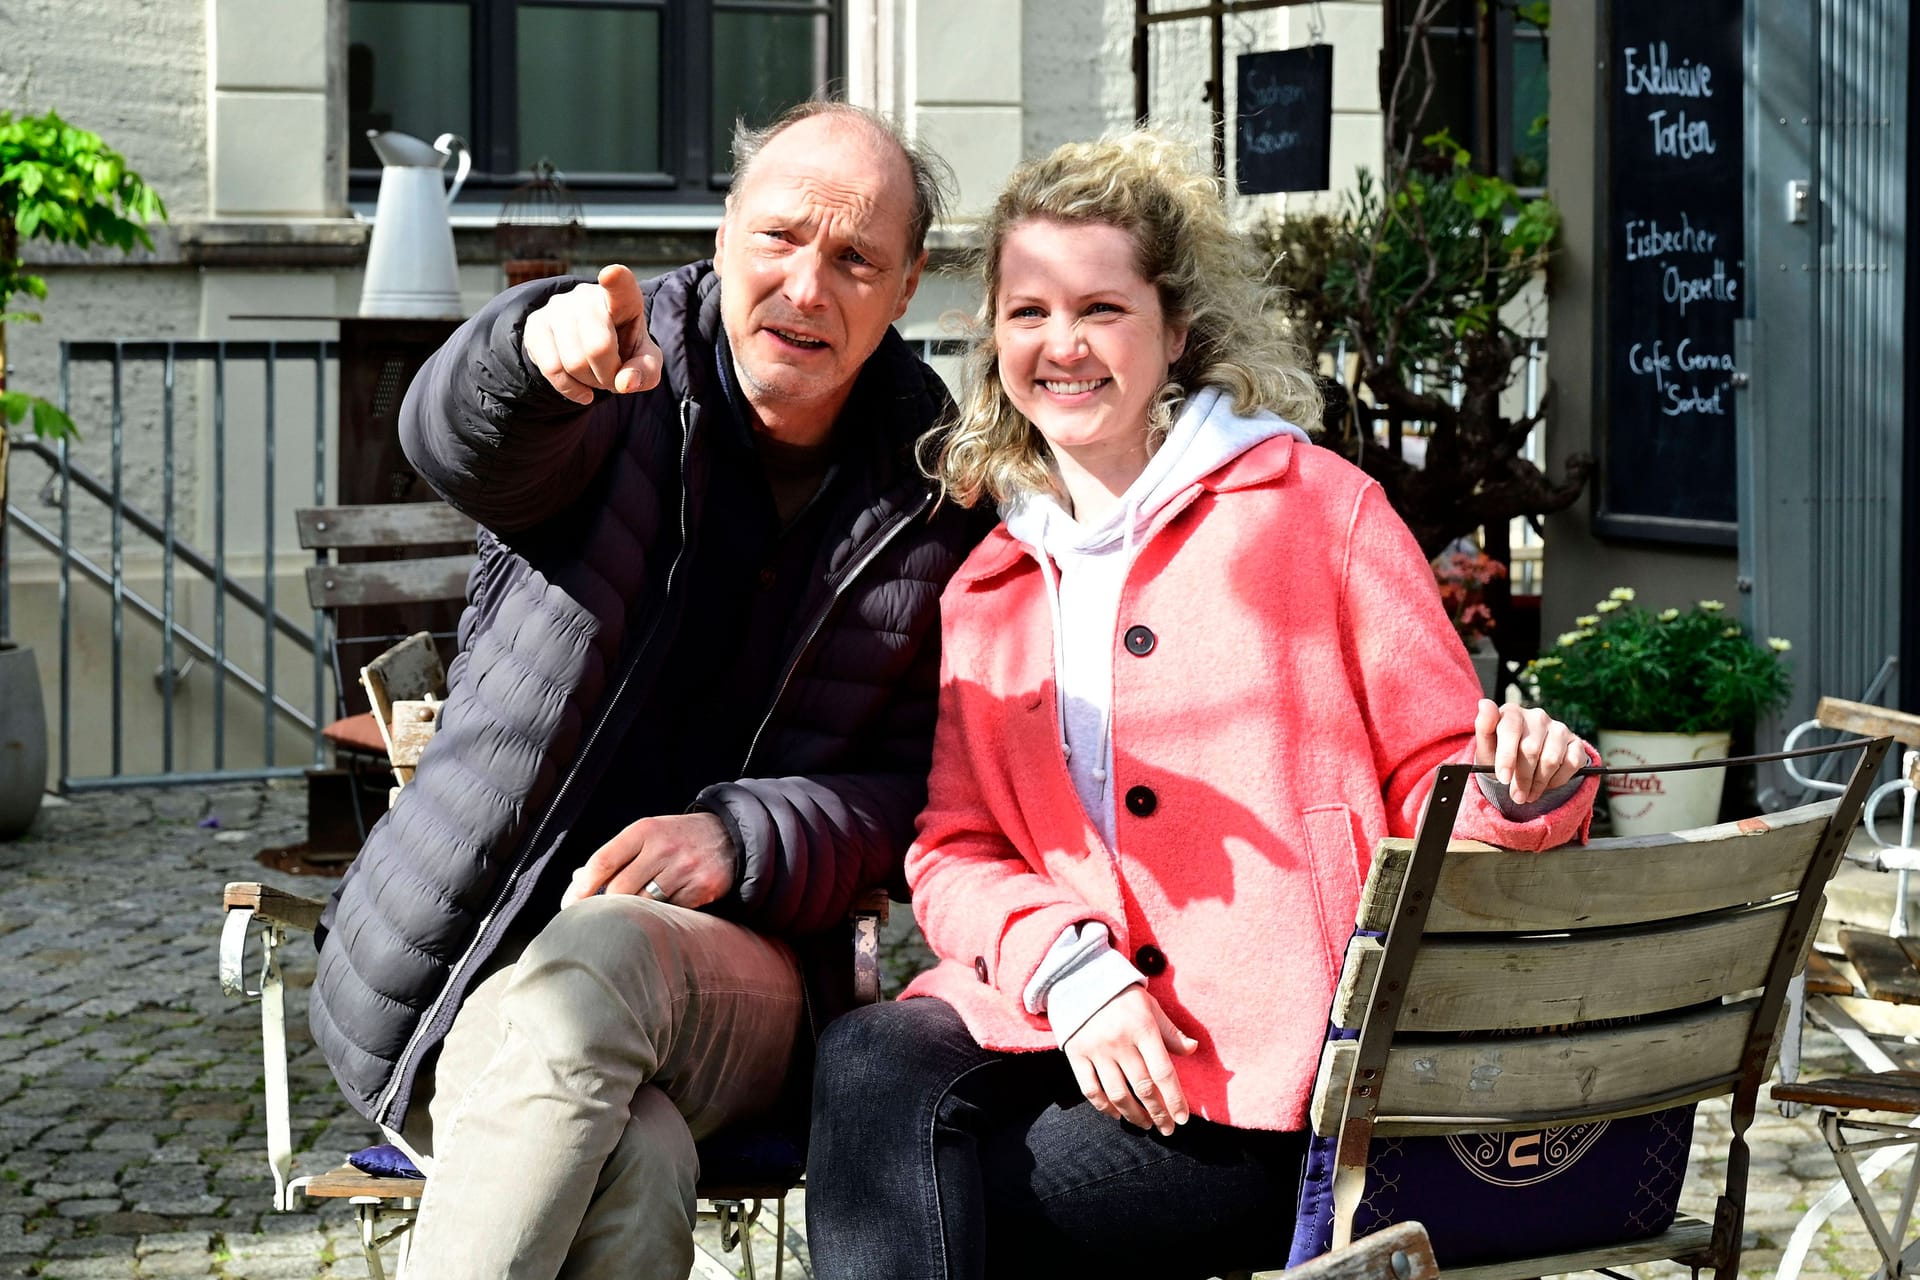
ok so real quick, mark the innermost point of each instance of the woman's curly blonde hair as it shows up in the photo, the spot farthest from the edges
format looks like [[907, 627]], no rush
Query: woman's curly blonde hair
[[1208, 276]]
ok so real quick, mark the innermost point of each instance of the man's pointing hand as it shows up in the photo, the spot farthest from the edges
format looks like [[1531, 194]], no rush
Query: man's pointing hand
[[594, 338]]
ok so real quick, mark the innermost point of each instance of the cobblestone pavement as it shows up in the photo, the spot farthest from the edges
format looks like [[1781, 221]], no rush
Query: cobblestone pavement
[[131, 1139]]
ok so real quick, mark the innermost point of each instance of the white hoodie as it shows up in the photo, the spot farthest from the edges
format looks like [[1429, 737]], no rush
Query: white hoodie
[[1085, 570]]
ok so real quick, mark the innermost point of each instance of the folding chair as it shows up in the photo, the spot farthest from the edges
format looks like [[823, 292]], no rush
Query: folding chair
[[1495, 993]]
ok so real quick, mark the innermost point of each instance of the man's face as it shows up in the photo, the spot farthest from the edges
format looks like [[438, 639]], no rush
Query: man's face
[[813, 264]]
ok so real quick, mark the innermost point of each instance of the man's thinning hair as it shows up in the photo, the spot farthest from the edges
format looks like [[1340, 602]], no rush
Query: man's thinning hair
[[932, 178]]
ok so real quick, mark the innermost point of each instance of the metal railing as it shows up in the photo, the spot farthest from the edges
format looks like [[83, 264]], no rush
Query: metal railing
[[258, 677]]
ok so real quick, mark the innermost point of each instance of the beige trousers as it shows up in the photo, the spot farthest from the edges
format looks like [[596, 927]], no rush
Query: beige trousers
[[575, 1081]]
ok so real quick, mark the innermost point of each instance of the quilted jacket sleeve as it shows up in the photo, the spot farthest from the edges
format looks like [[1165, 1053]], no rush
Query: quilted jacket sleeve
[[486, 430], [1417, 688]]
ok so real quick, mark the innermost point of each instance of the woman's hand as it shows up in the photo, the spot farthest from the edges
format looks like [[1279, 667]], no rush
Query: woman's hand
[[1123, 1058], [1530, 751]]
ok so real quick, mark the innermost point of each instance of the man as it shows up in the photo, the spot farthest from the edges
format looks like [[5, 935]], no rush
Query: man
[[689, 722]]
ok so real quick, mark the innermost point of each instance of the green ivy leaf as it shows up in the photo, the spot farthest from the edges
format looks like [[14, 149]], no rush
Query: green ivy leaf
[[49, 423]]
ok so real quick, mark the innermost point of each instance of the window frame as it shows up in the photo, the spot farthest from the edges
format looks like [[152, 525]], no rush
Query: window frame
[[1506, 31], [686, 82]]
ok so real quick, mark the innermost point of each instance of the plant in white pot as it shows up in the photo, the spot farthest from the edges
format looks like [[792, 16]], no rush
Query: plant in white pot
[[1660, 688], [60, 184]]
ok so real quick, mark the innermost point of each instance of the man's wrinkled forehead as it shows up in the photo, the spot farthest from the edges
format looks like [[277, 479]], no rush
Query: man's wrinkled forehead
[[840, 164]]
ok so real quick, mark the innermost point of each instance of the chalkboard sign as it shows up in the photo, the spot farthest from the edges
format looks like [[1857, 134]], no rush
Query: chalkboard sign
[[1284, 122], [1674, 271]]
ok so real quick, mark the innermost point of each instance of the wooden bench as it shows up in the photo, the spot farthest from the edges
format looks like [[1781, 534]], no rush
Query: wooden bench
[[380, 573], [1659, 966]]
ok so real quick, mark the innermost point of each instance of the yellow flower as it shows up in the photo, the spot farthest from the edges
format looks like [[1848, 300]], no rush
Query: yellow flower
[[1620, 593], [1543, 663], [1607, 606], [1570, 638], [1668, 615], [1712, 606], [1778, 645], [1587, 620], [1731, 632]]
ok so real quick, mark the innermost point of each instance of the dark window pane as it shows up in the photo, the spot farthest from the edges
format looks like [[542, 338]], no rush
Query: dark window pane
[[407, 69], [763, 63], [589, 82], [1448, 92], [1529, 111]]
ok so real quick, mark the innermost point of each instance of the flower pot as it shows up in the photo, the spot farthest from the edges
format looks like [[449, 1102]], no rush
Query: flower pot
[[23, 741], [1646, 803], [1486, 665]]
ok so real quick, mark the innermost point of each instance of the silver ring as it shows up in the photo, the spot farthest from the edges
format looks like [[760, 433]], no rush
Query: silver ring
[[654, 891]]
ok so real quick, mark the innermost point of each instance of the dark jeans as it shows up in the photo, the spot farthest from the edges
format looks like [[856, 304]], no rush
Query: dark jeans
[[935, 1159]]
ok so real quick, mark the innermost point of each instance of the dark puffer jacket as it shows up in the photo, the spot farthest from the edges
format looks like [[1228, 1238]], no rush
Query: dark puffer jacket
[[585, 518]]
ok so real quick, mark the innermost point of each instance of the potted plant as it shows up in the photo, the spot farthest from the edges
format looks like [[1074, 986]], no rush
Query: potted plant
[[1657, 688], [60, 184], [1464, 574]]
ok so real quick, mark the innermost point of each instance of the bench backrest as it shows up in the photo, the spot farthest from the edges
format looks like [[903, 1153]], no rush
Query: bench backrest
[[1868, 720], [398, 527], [1513, 991], [383, 572]]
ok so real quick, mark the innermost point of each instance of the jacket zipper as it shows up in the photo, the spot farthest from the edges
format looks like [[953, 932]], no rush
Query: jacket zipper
[[435, 1009], [880, 543]]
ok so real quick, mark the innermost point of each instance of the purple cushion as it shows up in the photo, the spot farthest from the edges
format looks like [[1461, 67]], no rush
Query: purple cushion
[[384, 1161], [1492, 1197], [1489, 1197]]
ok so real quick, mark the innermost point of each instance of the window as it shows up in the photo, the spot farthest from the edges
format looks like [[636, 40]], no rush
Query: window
[[1514, 104], [630, 99]]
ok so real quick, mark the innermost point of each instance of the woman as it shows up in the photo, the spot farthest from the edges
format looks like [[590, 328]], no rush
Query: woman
[[1198, 671]]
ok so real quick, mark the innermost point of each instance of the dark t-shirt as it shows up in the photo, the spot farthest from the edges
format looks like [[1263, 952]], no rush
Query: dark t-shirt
[[763, 524]]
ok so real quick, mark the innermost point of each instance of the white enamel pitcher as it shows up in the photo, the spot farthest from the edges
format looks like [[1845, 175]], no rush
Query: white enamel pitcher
[[410, 265]]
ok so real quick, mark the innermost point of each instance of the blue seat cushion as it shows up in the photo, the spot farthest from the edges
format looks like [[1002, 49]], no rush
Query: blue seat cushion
[[752, 1156], [384, 1161], [1496, 1196], [745, 1156], [1491, 1197]]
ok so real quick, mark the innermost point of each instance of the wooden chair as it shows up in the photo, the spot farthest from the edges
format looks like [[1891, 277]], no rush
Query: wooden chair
[[740, 1173], [1401, 1252], [1690, 937], [1873, 965], [380, 573], [405, 687]]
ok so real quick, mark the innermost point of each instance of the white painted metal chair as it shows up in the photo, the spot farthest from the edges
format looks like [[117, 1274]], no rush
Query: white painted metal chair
[[739, 1178], [1870, 965]]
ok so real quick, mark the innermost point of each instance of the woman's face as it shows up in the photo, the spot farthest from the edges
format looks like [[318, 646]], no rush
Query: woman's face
[[1084, 346]]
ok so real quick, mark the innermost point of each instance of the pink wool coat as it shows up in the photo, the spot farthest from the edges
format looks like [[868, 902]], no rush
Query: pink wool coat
[[1293, 690]]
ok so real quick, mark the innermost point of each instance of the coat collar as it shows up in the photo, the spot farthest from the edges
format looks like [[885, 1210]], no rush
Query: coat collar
[[1266, 462]]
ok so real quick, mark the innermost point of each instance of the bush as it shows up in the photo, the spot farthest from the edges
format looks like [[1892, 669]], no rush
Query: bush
[[1624, 667]]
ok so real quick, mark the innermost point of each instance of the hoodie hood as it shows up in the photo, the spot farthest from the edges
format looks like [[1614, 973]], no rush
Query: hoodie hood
[[1206, 436]]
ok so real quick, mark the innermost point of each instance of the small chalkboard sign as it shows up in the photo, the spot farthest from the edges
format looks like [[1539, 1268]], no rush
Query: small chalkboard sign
[[1674, 249], [1284, 120]]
